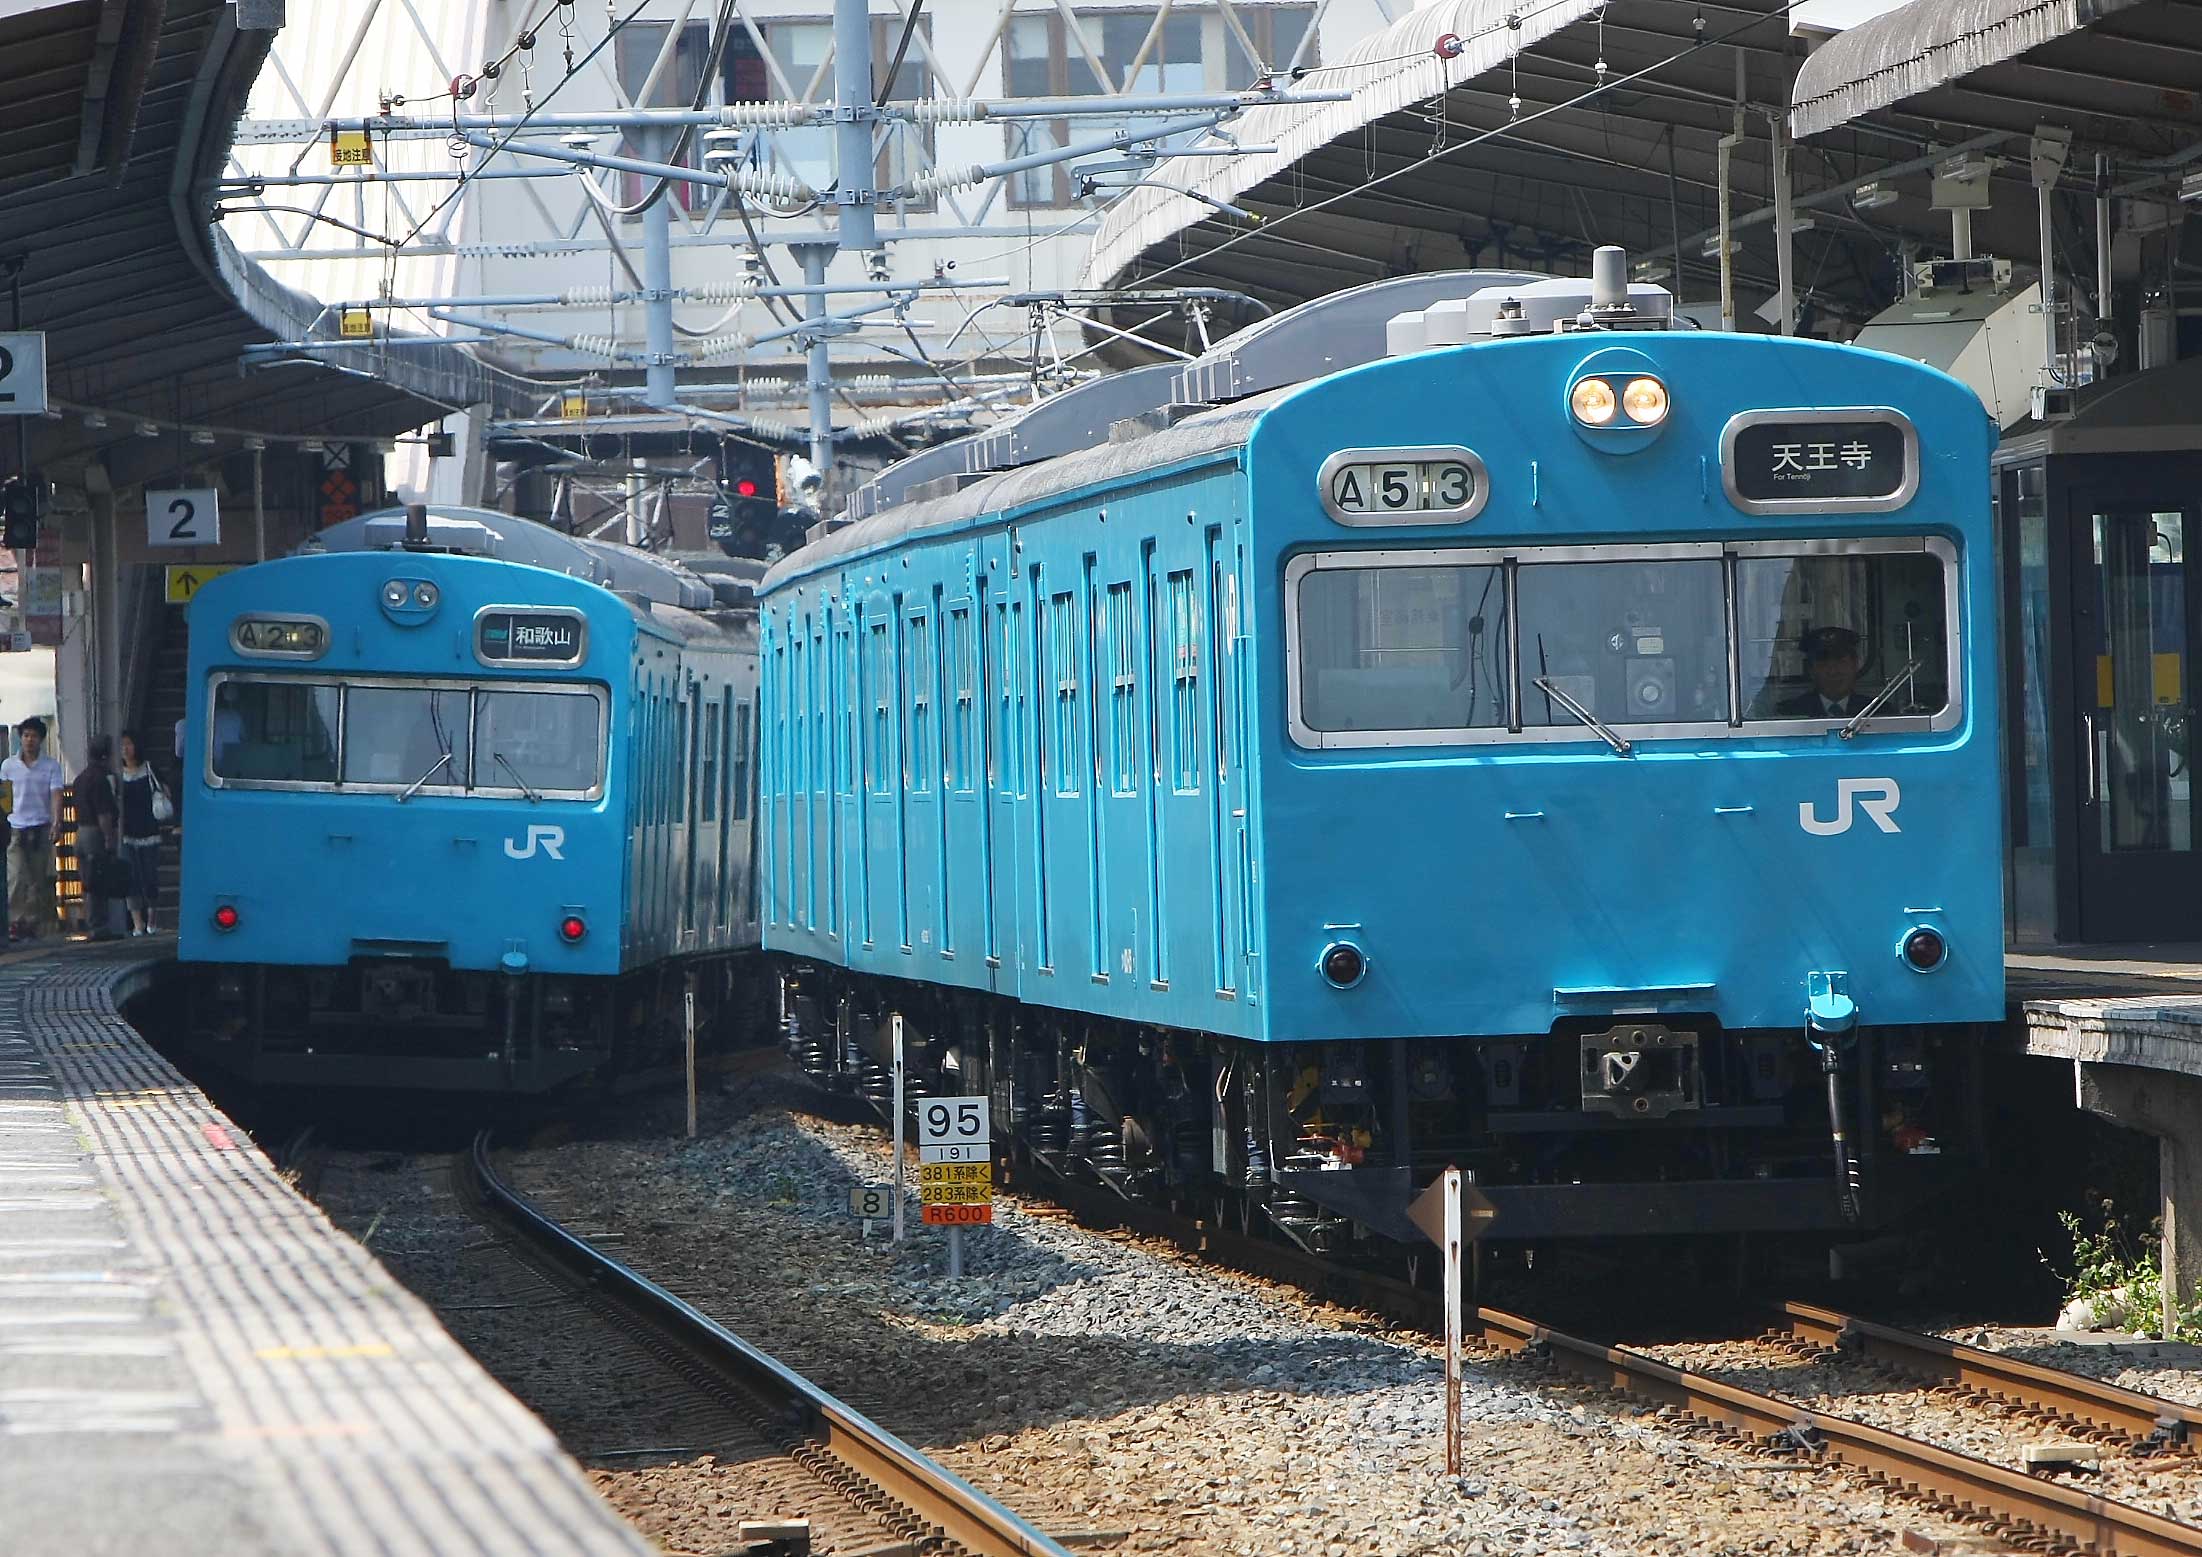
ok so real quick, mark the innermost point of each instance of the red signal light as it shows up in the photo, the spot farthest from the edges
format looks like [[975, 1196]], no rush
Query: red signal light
[[1925, 949], [225, 917], [572, 928], [746, 487]]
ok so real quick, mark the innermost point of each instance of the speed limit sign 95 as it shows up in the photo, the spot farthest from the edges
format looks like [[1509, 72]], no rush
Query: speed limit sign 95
[[954, 1129]]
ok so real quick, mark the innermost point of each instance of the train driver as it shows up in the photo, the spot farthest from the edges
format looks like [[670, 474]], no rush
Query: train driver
[[1831, 659]]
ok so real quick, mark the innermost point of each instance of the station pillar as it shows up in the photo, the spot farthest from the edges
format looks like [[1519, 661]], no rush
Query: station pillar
[[2168, 1105]]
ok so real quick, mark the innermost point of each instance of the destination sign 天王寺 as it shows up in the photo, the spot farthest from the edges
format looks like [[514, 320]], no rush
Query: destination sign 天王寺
[[533, 637], [1819, 461]]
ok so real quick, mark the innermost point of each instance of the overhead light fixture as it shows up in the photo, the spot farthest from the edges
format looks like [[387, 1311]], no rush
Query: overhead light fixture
[[202, 436], [1799, 224], [1653, 270], [95, 420], [1871, 197], [149, 429], [1963, 169], [255, 443], [1712, 247], [2190, 188]]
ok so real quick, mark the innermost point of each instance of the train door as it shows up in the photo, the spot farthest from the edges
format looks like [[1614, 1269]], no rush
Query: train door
[[691, 811], [2134, 618], [1220, 760], [1120, 783], [990, 614]]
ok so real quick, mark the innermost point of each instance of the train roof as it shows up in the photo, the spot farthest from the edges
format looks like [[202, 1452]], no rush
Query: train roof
[[484, 532]]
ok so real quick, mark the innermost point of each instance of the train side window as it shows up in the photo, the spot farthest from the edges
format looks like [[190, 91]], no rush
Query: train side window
[[961, 716], [1123, 692], [281, 732], [879, 675], [1184, 644], [917, 642], [1822, 635], [741, 762], [1063, 614], [711, 722]]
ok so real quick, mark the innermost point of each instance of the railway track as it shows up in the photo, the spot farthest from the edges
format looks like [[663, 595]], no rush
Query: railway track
[[2025, 1511], [923, 1508]]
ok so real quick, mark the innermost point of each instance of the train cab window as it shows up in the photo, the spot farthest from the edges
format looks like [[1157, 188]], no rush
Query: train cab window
[[405, 735], [1823, 635], [1634, 642], [1403, 648], [545, 742], [279, 732]]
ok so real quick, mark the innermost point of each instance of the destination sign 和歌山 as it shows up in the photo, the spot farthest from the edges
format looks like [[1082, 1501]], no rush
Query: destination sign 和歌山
[[535, 636], [1819, 461]]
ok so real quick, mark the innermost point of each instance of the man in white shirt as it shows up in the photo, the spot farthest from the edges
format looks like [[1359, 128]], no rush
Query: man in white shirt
[[35, 780]]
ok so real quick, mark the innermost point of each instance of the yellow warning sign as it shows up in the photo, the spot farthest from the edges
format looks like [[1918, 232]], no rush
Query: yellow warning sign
[[573, 408], [956, 1183], [184, 582], [356, 324], [350, 149]]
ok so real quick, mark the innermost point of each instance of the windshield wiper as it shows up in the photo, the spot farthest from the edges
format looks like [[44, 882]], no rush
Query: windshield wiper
[[1598, 726], [526, 788], [414, 788], [1896, 683]]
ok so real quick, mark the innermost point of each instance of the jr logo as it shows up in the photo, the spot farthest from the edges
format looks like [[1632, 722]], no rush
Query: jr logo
[[1877, 797], [552, 840]]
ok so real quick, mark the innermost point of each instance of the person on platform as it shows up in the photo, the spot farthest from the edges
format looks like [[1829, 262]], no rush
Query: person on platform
[[37, 782], [97, 815], [1831, 659], [141, 833]]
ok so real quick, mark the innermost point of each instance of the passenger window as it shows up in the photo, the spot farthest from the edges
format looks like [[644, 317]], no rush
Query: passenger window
[[1123, 673], [920, 668], [1419, 648], [1185, 683], [275, 732], [1632, 642], [405, 736], [541, 741], [1064, 754], [1823, 635]]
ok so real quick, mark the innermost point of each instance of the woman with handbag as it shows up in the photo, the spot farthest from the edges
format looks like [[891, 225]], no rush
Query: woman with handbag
[[146, 807]]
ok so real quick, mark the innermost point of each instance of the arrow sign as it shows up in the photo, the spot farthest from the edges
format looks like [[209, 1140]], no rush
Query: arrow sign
[[184, 582]]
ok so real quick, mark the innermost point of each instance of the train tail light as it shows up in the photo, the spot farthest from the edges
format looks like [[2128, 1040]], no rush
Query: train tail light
[[1343, 965], [1925, 950], [572, 928], [226, 917]]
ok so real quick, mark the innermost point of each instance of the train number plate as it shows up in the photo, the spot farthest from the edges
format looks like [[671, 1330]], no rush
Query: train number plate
[[1443, 484]]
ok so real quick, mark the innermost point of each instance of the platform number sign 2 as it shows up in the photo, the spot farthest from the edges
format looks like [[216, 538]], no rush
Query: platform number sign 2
[[22, 373], [187, 516]]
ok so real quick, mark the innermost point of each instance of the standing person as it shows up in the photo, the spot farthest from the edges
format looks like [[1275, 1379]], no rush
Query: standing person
[[37, 783], [141, 833], [97, 815]]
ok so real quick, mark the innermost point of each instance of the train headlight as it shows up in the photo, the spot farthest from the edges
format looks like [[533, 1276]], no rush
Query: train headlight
[[424, 595], [1343, 965], [393, 594], [1644, 401], [1924, 949], [1593, 402]]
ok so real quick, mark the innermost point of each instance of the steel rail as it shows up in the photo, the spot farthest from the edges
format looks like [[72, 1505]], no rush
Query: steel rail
[[2073, 1396], [2008, 1501], [962, 1514]]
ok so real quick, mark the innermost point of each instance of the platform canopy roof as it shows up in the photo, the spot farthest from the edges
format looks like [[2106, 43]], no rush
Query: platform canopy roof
[[1518, 150], [115, 118]]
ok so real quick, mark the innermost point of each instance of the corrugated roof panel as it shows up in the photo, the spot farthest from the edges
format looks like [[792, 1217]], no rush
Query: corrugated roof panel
[[1924, 45]]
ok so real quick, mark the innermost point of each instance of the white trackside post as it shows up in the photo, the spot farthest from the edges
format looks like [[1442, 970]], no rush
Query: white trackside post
[[895, 1024]]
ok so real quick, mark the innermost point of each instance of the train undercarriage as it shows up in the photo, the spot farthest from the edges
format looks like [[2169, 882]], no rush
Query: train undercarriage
[[1600, 1128], [417, 1023]]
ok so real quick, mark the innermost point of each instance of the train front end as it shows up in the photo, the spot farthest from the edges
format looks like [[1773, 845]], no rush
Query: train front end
[[1634, 773], [404, 847]]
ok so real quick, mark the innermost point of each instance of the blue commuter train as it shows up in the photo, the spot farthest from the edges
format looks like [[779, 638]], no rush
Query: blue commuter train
[[1550, 741], [468, 807]]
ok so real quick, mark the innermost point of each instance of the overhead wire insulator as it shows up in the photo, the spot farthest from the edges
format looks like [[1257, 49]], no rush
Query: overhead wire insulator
[[589, 297], [783, 187], [713, 347], [598, 346], [740, 290], [768, 116], [944, 180], [947, 110]]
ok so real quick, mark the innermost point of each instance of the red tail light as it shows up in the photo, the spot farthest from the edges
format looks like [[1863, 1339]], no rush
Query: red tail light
[[225, 917], [745, 487], [572, 928]]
